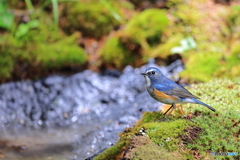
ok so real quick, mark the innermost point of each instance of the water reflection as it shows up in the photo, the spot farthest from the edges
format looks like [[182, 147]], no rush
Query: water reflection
[[54, 143]]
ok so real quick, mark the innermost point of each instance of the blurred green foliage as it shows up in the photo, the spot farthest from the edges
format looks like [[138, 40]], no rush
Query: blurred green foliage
[[147, 27], [46, 33], [215, 55], [24, 28], [39, 46], [95, 21], [6, 17], [201, 66], [135, 42], [114, 52], [65, 51]]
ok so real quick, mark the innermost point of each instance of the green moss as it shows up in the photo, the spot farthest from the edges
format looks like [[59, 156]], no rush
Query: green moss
[[94, 21], [164, 133], [6, 64], [151, 117], [10, 50], [112, 152], [232, 21], [222, 94], [188, 14], [134, 43], [164, 49], [114, 52], [147, 27], [143, 148], [231, 66], [172, 3], [216, 55], [201, 66], [156, 137], [63, 52], [39, 46], [221, 129]]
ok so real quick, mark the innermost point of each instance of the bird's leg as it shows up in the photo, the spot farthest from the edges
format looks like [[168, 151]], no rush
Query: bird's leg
[[173, 105]]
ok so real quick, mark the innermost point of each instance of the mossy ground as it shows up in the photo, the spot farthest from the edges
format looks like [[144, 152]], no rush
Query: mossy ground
[[192, 136], [153, 137], [221, 129]]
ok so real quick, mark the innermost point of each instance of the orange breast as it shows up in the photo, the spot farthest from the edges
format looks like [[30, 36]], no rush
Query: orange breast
[[162, 97]]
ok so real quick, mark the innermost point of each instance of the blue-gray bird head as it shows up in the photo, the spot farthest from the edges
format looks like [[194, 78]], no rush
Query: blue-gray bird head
[[152, 75]]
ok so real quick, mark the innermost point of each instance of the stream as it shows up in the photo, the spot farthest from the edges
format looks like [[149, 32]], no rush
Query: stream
[[72, 117]]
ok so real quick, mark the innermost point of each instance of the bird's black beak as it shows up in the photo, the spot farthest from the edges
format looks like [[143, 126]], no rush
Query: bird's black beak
[[144, 74]]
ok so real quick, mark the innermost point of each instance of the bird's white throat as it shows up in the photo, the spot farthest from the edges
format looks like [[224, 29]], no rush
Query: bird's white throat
[[148, 81]]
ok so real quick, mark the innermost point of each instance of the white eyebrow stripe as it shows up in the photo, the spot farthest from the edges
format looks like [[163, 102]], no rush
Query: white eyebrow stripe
[[150, 70]]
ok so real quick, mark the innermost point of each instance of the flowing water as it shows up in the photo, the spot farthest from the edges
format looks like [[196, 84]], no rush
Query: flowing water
[[71, 117]]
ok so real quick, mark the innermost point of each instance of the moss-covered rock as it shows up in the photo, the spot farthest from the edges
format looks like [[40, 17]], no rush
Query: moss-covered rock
[[156, 137], [115, 53], [201, 67], [61, 53], [6, 62], [136, 41], [164, 49], [39, 48], [147, 27], [152, 129], [95, 21]]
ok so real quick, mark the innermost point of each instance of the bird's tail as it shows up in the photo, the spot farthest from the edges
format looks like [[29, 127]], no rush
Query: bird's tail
[[209, 107]]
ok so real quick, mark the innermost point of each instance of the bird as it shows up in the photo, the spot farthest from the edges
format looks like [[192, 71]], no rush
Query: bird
[[167, 91]]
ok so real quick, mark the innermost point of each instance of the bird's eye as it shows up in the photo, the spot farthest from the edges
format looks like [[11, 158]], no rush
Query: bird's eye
[[153, 72]]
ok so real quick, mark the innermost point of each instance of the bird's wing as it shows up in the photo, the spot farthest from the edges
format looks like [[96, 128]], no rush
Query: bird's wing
[[177, 90]]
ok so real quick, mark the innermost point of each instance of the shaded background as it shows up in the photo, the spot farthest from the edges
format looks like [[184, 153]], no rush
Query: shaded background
[[40, 37], [70, 70]]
